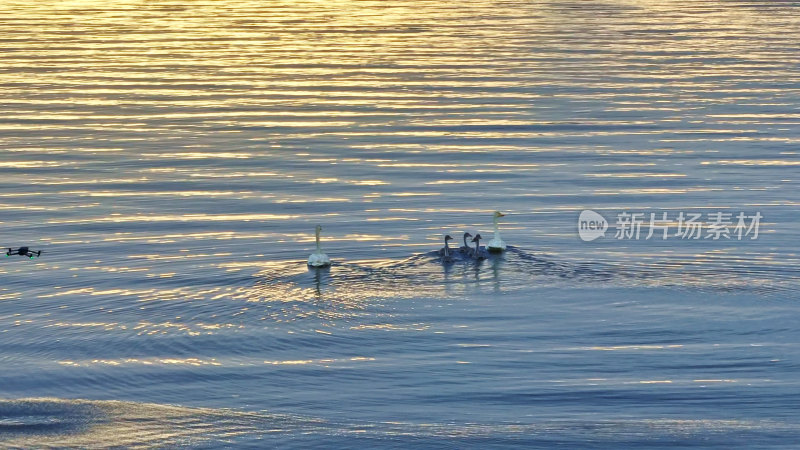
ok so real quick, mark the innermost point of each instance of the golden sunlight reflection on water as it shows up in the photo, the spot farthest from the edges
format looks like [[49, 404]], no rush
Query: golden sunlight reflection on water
[[172, 159]]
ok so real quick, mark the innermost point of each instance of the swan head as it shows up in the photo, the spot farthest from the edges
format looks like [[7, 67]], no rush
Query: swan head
[[498, 214], [477, 238], [447, 238], [318, 229], [467, 235]]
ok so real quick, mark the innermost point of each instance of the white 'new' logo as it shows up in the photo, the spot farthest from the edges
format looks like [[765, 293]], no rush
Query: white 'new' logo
[[591, 225]]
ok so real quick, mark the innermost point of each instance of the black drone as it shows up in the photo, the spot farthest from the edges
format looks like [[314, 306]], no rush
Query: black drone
[[23, 251]]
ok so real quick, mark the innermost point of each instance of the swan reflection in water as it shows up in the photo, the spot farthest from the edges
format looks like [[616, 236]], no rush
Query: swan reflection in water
[[321, 277], [473, 270]]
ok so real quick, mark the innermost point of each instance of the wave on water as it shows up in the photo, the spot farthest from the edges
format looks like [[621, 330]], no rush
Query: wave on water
[[55, 422], [426, 275]]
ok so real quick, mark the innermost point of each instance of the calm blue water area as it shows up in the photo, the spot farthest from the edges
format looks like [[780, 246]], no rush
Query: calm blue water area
[[172, 160]]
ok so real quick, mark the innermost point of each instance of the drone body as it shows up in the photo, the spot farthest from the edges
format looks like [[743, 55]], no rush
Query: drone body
[[23, 251]]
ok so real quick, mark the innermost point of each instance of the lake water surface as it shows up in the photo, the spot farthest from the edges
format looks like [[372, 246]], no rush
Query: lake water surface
[[172, 159]]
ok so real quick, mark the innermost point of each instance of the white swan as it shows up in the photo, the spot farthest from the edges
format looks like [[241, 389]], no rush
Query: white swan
[[496, 245], [319, 259]]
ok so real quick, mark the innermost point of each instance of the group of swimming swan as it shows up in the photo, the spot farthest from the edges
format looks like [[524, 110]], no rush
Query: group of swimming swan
[[447, 254]]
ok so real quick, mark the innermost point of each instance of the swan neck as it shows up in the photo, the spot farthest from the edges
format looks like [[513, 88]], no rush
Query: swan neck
[[319, 249], [496, 229]]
